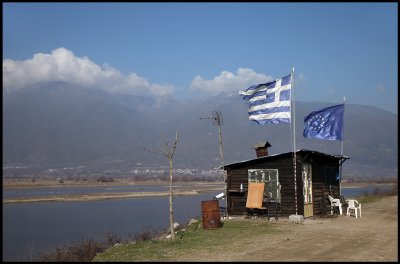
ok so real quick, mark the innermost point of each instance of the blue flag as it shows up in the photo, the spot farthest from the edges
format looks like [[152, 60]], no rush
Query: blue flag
[[326, 123], [269, 103]]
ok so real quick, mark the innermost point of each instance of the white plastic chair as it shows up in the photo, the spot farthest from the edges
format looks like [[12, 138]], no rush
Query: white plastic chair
[[336, 202], [353, 206], [220, 196]]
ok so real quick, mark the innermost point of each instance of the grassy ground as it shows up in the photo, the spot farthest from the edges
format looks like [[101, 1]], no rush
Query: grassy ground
[[188, 243], [250, 239]]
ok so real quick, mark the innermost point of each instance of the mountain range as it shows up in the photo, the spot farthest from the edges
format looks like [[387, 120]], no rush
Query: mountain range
[[61, 124]]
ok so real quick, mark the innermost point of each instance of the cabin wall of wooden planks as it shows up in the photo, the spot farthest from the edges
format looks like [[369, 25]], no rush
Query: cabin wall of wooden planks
[[237, 200], [324, 182]]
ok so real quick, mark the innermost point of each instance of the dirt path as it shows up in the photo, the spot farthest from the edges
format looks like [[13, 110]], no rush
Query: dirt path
[[374, 237]]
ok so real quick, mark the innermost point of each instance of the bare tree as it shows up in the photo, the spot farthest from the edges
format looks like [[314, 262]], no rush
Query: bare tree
[[169, 153]]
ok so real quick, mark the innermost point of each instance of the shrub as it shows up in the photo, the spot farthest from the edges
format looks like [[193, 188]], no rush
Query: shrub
[[82, 251], [86, 249]]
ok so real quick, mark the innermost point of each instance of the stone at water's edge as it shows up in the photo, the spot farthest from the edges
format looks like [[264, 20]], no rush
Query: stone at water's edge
[[296, 218], [176, 225], [193, 221]]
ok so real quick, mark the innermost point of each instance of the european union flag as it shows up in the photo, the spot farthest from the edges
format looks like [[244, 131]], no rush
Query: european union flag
[[326, 123]]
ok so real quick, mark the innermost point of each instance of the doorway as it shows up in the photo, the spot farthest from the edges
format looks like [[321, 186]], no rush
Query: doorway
[[307, 190]]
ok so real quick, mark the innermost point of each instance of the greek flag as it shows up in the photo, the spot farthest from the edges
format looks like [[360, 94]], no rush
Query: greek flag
[[269, 103]]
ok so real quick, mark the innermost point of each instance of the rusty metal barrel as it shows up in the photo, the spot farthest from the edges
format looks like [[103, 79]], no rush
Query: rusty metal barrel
[[210, 214]]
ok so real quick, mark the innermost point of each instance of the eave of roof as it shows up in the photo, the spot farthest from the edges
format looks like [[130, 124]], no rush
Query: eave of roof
[[300, 151]]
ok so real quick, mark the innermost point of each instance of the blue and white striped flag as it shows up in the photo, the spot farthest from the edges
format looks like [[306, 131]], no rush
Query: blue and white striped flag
[[269, 103]]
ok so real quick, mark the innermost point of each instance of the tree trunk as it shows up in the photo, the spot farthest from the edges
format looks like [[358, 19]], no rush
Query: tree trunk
[[169, 153], [171, 211]]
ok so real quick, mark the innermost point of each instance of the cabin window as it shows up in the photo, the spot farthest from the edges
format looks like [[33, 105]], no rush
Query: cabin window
[[270, 178]]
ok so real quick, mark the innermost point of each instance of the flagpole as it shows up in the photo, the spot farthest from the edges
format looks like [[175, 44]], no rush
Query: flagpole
[[294, 140], [341, 150]]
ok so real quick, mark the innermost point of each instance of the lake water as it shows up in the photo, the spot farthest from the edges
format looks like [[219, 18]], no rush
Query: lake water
[[56, 191], [350, 192], [32, 228]]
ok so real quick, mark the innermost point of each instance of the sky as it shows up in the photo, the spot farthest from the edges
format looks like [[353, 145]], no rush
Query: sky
[[203, 49]]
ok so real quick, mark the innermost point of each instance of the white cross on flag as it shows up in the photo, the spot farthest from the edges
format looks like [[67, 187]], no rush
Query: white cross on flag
[[269, 103]]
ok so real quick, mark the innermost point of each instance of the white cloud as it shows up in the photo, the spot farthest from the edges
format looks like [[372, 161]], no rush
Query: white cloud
[[63, 65], [228, 82]]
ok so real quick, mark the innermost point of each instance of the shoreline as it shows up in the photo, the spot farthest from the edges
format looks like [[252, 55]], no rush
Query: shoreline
[[365, 184], [27, 184], [180, 189], [96, 197]]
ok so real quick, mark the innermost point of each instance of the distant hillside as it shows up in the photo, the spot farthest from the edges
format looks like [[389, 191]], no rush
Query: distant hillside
[[59, 123], [55, 124]]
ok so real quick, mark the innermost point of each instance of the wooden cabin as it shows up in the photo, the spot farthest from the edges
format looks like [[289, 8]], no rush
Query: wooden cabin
[[317, 175]]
